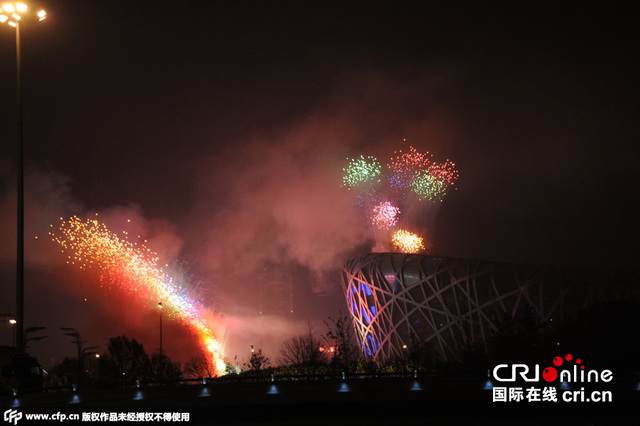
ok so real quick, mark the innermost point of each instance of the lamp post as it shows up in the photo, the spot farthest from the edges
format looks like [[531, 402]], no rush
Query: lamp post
[[11, 14], [161, 359], [82, 351], [160, 308], [13, 322]]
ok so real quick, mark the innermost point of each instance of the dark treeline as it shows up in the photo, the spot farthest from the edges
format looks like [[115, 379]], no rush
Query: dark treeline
[[602, 335]]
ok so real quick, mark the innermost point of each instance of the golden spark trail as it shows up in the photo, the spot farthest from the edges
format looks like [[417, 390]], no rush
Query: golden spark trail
[[90, 244]]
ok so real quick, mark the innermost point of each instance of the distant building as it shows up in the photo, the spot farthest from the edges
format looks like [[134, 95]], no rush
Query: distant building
[[451, 302]]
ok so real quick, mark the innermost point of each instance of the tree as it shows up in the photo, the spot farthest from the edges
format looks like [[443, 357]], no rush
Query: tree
[[302, 352], [199, 366], [518, 339], [127, 360], [124, 363], [163, 369], [64, 373], [340, 337], [420, 355], [257, 363]]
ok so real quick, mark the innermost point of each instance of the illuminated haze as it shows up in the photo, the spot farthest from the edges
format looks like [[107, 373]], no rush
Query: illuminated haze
[[222, 143]]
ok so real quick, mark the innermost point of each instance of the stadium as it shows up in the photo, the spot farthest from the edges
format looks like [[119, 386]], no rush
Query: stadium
[[452, 303]]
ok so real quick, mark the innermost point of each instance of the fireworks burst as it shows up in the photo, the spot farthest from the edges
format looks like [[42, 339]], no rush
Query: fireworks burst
[[434, 183], [385, 215], [404, 167], [445, 172], [361, 171], [407, 242], [428, 187], [412, 182], [133, 267]]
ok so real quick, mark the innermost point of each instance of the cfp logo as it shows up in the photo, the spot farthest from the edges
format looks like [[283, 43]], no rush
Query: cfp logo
[[12, 415]]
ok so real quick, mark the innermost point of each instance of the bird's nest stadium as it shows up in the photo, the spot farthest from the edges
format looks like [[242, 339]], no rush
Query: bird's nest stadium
[[451, 302]]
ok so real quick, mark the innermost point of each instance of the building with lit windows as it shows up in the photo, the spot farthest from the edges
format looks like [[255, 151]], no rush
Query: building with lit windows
[[450, 302]]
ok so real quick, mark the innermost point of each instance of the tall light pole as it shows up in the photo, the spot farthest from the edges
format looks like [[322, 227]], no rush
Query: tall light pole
[[161, 359], [160, 308], [11, 14], [13, 322]]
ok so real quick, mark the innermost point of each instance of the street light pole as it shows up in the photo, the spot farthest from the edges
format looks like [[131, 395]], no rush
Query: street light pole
[[11, 14], [13, 326], [20, 211], [160, 306], [11, 320]]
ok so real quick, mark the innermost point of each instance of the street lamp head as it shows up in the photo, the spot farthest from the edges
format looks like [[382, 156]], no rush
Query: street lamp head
[[12, 321], [11, 13]]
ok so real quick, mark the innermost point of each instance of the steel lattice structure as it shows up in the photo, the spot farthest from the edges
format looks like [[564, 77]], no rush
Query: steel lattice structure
[[453, 302]]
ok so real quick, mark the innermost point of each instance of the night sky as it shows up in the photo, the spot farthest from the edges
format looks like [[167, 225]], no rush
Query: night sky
[[220, 129]]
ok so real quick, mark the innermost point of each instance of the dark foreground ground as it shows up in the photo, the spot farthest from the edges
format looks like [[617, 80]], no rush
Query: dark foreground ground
[[358, 402]]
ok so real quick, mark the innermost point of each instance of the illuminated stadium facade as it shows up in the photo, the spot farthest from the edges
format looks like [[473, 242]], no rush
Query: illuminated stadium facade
[[452, 303]]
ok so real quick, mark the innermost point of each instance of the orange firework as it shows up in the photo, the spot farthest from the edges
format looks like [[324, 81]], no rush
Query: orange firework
[[89, 244], [407, 242]]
